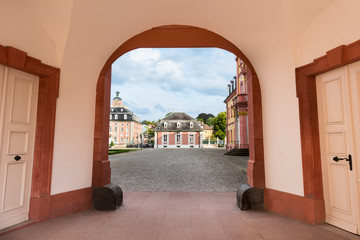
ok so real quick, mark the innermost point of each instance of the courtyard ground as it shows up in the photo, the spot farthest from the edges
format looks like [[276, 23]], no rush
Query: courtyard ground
[[179, 170]]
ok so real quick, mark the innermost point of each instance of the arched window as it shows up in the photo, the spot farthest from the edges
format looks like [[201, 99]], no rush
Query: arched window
[[165, 124], [125, 116], [178, 124], [191, 124], [116, 116]]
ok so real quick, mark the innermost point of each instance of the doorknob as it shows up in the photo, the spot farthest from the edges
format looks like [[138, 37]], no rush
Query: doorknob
[[17, 158], [349, 159]]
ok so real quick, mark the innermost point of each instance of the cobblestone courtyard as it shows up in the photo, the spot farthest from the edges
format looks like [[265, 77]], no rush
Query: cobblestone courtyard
[[182, 170]]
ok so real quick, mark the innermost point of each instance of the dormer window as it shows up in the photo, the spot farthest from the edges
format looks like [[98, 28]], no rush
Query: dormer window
[[110, 116], [165, 124], [125, 116], [116, 116], [178, 124], [191, 124], [121, 110]]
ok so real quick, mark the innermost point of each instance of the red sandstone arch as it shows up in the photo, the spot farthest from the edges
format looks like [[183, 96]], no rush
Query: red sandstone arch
[[176, 36]]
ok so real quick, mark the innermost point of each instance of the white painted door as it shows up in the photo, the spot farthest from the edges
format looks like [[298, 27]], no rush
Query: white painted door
[[337, 140], [17, 132]]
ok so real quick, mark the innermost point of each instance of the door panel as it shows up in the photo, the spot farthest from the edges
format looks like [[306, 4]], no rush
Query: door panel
[[17, 119], [14, 186], [336, 139]]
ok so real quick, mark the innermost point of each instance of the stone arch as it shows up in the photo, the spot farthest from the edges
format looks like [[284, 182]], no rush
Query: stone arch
[[176, 36]]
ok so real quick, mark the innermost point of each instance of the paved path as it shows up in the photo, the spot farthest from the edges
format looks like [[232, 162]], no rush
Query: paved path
[[183, 170], [176, 216]]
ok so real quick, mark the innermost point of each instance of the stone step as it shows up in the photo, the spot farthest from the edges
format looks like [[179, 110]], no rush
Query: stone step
[[238, 152]]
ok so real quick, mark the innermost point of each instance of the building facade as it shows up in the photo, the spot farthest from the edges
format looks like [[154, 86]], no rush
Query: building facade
[[237, 110], [178, 130], [125, 127], [207, 131]]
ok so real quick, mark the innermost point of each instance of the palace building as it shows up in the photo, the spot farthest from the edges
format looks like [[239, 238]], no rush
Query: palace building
[[178, 130], [237, 110], [125, 127]]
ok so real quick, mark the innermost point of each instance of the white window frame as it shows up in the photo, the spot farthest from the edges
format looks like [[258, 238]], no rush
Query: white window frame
[[116, 116], [178, 135], [191, 124], [165, 124], [191, 135], [165, 138], [178, 124]]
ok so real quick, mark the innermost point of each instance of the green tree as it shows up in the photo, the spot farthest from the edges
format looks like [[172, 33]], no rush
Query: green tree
[[210, 121], [204, 116], [200, 120], [146, 122], [150, 132], [219, 124]]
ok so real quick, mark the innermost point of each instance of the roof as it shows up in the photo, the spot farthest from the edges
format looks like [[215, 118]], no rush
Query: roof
[[206, 127], [186, 123]]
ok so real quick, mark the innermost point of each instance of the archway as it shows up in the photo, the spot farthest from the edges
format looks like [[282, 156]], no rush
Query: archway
[[176, 36]]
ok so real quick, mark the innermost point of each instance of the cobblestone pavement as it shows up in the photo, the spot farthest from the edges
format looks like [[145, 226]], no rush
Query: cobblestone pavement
[[183, 170]]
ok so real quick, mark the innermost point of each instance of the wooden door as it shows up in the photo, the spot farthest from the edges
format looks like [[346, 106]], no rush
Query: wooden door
[[17, 133], [337, 140]]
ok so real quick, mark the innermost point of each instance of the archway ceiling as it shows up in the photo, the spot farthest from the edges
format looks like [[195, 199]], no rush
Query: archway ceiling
[[55, 19]]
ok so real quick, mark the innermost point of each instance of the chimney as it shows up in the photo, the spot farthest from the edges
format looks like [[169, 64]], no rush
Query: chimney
[[232, 85], [229, 88]]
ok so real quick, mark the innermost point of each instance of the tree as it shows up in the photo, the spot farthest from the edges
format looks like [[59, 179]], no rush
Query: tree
[[210, 121], [150, 132], [146, 122], [220, 126], [204, 117]]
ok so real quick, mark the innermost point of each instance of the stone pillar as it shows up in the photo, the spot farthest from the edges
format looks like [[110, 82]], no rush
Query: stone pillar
[[155, 140]]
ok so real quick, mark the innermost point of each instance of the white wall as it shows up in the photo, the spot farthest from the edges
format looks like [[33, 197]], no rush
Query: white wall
[[259, 28]]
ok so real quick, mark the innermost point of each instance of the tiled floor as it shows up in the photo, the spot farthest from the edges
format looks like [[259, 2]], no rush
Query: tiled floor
[[174, 215]]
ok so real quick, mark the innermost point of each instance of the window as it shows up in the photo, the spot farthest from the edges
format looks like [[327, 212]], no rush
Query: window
[[115, 128], [127, 124], [191, 124], [121, 110], [165, 138], [115, 139], [116, 116], [110, 128], [121, 139], [178, 138], [110, 116], [122, 124], [125, 116], [127, 129], [178, 124], [191, 138], [165, 124], [121, 129]]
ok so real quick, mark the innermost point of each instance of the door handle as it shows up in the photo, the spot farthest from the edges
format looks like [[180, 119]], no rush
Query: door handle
[[349, 159], [17, 158]]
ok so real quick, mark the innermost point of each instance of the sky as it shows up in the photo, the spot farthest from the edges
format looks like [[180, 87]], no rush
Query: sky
[[155, 81]]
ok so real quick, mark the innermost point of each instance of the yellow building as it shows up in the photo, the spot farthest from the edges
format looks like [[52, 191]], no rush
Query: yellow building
[[207, 131]]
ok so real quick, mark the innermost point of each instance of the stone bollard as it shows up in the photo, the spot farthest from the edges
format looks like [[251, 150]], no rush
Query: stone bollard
[[108, 197], [250, 198]]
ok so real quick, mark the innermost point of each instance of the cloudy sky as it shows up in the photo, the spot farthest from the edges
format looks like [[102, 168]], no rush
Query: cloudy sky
[[155, 81]]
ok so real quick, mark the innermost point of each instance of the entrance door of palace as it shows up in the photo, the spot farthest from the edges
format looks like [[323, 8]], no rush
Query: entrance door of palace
[[18, 105], [338, 108]]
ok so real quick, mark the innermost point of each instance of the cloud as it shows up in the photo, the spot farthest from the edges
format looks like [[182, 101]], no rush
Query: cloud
[[154, 82]]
